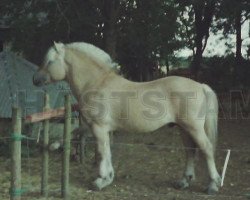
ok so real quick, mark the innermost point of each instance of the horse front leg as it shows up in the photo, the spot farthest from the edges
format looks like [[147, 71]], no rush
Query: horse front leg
[[106, 171]]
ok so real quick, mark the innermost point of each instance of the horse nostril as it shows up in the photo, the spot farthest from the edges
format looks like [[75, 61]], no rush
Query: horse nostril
[[40, 79], [37, 80]]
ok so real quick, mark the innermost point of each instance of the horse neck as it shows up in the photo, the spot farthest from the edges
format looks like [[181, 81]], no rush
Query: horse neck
[[83, 74]]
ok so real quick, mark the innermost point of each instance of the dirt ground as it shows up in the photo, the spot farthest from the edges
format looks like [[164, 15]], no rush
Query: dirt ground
[[146, 167]]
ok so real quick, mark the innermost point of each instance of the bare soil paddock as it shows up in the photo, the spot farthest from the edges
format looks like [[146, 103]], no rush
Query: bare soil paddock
[[146, 167]]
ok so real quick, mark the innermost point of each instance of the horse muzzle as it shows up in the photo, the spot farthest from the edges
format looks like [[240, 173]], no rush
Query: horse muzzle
[[40, 79]]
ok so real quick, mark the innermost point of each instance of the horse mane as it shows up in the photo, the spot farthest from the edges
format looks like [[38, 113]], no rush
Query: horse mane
[[93, 52]]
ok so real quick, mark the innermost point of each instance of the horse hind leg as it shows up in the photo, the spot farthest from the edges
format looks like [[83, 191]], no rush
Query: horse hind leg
[[189, 172], [206, 147]]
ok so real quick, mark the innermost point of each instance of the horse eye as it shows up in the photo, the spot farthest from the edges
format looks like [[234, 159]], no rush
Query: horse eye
[[49, 62]]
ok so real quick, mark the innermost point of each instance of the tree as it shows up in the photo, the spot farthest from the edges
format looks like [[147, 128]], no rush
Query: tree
[[147, 37], [36, 24], [140, 34], [197, 23], [111, 16], [108, 13], [230, 17], [204, 12]]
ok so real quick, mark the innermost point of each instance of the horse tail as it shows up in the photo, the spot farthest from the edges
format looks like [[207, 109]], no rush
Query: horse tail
[[211, 115]]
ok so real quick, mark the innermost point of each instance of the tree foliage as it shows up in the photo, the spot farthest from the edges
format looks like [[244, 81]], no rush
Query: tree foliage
[[147, 36], [231, 15], [141, 35]]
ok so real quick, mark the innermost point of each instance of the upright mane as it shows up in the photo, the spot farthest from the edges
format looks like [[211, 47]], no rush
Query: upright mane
[[97, 54]]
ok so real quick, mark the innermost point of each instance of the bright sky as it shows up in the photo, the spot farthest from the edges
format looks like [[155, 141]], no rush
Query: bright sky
[[215, 46]]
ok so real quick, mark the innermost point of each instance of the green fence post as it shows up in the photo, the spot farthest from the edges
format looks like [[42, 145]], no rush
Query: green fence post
[[16, 187], [66, 149], [45, 158]]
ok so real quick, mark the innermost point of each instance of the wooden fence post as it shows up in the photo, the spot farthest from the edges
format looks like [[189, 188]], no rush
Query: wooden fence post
[[82, 140], [82, 148], [16, 188], [111, 138], [66, 149], [45, 159]]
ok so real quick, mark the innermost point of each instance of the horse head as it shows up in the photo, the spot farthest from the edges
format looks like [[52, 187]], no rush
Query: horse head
[[54, 67]]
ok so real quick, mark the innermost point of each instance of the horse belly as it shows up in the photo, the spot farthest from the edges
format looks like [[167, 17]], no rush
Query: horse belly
[[140, 124]]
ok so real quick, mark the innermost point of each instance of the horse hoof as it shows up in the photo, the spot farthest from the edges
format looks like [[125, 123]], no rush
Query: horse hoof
[[100, 183], [212, 189], [181, 184], [94, 187]]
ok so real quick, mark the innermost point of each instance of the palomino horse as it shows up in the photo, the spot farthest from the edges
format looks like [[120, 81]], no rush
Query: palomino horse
[[110, 102]]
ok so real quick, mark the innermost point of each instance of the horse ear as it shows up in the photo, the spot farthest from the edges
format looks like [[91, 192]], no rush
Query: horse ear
[[58, 47]]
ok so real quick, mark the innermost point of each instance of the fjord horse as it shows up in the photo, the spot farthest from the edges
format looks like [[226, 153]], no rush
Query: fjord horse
[[110, 102]]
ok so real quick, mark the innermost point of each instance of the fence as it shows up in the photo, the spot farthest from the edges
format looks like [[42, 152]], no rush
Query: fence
[[16, 137]]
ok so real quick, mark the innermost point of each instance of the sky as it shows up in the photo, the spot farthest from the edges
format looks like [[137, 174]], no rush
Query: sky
[[215, 46]]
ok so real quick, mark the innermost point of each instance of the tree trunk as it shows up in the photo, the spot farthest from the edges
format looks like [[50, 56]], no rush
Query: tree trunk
[[167, 67], [238, 54], [110, 38], [1, 46], [203, 11], [238, 38], [196, 64]]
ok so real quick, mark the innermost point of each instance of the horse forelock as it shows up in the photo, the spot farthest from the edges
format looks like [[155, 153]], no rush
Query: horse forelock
[[93, 52], [50, 55]]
